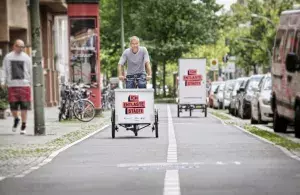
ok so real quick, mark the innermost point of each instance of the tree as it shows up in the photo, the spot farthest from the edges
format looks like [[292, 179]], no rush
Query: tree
[[171, 28], [259, 29]]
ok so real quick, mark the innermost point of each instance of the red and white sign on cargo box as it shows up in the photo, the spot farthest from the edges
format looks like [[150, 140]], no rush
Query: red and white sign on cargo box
[[134, 106], [192, 86]]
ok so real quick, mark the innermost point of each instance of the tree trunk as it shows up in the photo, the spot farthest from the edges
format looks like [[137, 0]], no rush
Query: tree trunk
[[254, 69], [154, 69], [164, 79]]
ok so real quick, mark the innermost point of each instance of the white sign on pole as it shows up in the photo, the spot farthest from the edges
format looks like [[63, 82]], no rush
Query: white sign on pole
[[230, 67], [214, 65], [192, 81]]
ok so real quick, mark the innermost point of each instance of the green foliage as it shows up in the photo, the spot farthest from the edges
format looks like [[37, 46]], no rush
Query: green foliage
[[220, 115], [260, 29], [167, 28], [3, 98], [276, 139]]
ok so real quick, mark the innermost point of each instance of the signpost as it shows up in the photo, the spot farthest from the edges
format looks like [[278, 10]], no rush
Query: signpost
[[214, 66]]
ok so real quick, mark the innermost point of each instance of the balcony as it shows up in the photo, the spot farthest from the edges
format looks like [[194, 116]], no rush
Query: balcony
[[57, 6]]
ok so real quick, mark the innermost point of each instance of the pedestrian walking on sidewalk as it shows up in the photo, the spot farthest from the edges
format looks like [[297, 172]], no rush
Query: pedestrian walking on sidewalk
[[17, 68]]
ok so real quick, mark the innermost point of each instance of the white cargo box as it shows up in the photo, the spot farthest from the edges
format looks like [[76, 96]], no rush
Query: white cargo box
[[134, 106], [192, 81]]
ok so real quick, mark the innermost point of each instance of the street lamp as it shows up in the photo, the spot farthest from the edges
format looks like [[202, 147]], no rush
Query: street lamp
[[257, 42], [263, 17]]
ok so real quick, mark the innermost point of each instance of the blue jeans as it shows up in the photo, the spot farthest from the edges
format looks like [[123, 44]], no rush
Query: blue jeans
[[136, 81]]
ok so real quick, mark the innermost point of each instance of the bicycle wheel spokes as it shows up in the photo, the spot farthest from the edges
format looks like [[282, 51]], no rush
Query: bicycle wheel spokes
[[84, 110]]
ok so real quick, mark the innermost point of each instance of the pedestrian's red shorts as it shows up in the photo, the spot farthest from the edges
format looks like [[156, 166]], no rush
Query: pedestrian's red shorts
[[19, 97], [19, 94]]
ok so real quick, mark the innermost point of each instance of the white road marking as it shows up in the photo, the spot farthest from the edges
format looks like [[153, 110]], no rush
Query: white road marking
[[237, 162], [2, 178], [172, 149], [284, 150], [220, 163], [171, 185], [18, 176], [55, 153]]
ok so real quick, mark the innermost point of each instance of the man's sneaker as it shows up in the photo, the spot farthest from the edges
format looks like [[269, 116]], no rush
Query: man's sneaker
[[16, 123], [23, 127]]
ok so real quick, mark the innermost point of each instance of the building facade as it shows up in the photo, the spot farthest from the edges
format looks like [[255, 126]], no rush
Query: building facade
[[15, 24]]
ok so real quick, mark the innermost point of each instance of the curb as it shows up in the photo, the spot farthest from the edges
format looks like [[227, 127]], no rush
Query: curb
[[48, 159], [284, 150]]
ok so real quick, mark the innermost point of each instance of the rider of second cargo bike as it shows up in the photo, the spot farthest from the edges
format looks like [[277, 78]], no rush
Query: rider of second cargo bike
[[138, 63]]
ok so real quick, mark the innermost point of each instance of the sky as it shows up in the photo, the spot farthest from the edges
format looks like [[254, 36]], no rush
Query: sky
[[226, 3]]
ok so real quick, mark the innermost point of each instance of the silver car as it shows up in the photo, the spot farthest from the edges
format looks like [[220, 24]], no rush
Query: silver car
[[261, 111], [233, 95], [219, 96], [227, 92]]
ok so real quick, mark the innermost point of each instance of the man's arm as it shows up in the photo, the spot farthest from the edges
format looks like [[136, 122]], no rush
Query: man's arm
[[121, 72], [121, 63], [4, 72], [149, 71], [147, 64]]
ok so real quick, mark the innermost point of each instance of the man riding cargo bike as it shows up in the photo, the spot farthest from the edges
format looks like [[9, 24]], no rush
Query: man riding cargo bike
[[134, 108]]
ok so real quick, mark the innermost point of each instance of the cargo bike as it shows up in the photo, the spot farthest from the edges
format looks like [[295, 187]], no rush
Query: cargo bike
[[192, 90], [134, 110]]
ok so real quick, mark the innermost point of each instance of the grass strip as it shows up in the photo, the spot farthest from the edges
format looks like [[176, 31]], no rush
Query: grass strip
[[165, 100], [278, 140], [221, 116]]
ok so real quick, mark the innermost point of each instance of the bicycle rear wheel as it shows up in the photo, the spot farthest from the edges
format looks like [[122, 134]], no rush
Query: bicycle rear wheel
[[84, 110]]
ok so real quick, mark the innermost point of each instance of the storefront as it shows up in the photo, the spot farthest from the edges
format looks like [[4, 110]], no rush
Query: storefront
[[84, 45]]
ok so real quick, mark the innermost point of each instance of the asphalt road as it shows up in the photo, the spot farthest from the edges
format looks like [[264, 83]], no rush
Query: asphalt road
[[192, 156]]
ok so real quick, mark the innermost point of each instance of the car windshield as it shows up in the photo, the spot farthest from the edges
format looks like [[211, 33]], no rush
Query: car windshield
[[254, 83], [268, 84], [237, 85], [214, 87], [222, 86], [229, 85]]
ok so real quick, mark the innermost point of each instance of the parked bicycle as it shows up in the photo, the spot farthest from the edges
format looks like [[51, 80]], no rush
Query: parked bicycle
[[75, 102]]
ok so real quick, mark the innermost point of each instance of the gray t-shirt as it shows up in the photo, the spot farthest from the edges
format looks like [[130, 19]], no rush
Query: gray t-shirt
[[17, 69], [135, 61]]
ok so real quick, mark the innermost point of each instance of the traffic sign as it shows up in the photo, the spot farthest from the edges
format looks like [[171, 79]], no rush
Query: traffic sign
[[214, 65]]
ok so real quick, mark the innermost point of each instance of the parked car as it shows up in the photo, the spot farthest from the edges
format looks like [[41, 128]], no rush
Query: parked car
[[245, 96], [229, 84], [286, 73], [233, 95], [218, 96], [261, 111], [213, 88]]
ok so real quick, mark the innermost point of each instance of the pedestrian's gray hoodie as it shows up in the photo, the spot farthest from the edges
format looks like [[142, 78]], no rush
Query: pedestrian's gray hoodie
[[17, 69]]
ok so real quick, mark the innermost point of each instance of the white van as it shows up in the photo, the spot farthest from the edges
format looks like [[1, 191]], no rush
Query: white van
[[286, 73]]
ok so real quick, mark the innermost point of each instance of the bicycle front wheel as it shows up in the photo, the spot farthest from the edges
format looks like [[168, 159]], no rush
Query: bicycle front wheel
[[84, 110]]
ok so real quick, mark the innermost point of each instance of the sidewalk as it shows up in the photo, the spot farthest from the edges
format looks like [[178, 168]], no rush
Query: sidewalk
[[18, 152]]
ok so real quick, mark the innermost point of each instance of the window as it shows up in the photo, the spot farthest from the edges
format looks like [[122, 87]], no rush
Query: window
[[268, 84], [279, 46], [289, 42], [297, 43]]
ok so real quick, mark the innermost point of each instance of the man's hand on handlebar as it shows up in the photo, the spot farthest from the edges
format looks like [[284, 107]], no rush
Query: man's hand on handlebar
[[149, 78], [122, 78]]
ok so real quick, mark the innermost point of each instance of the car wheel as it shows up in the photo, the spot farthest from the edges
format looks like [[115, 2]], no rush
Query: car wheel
[[253, 121], [280, 123], [259, 120], [241, 111], [297, 121]]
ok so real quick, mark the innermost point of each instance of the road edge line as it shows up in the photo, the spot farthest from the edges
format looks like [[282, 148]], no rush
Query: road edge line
[[55, 153], [284, 150], [222, 121]]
